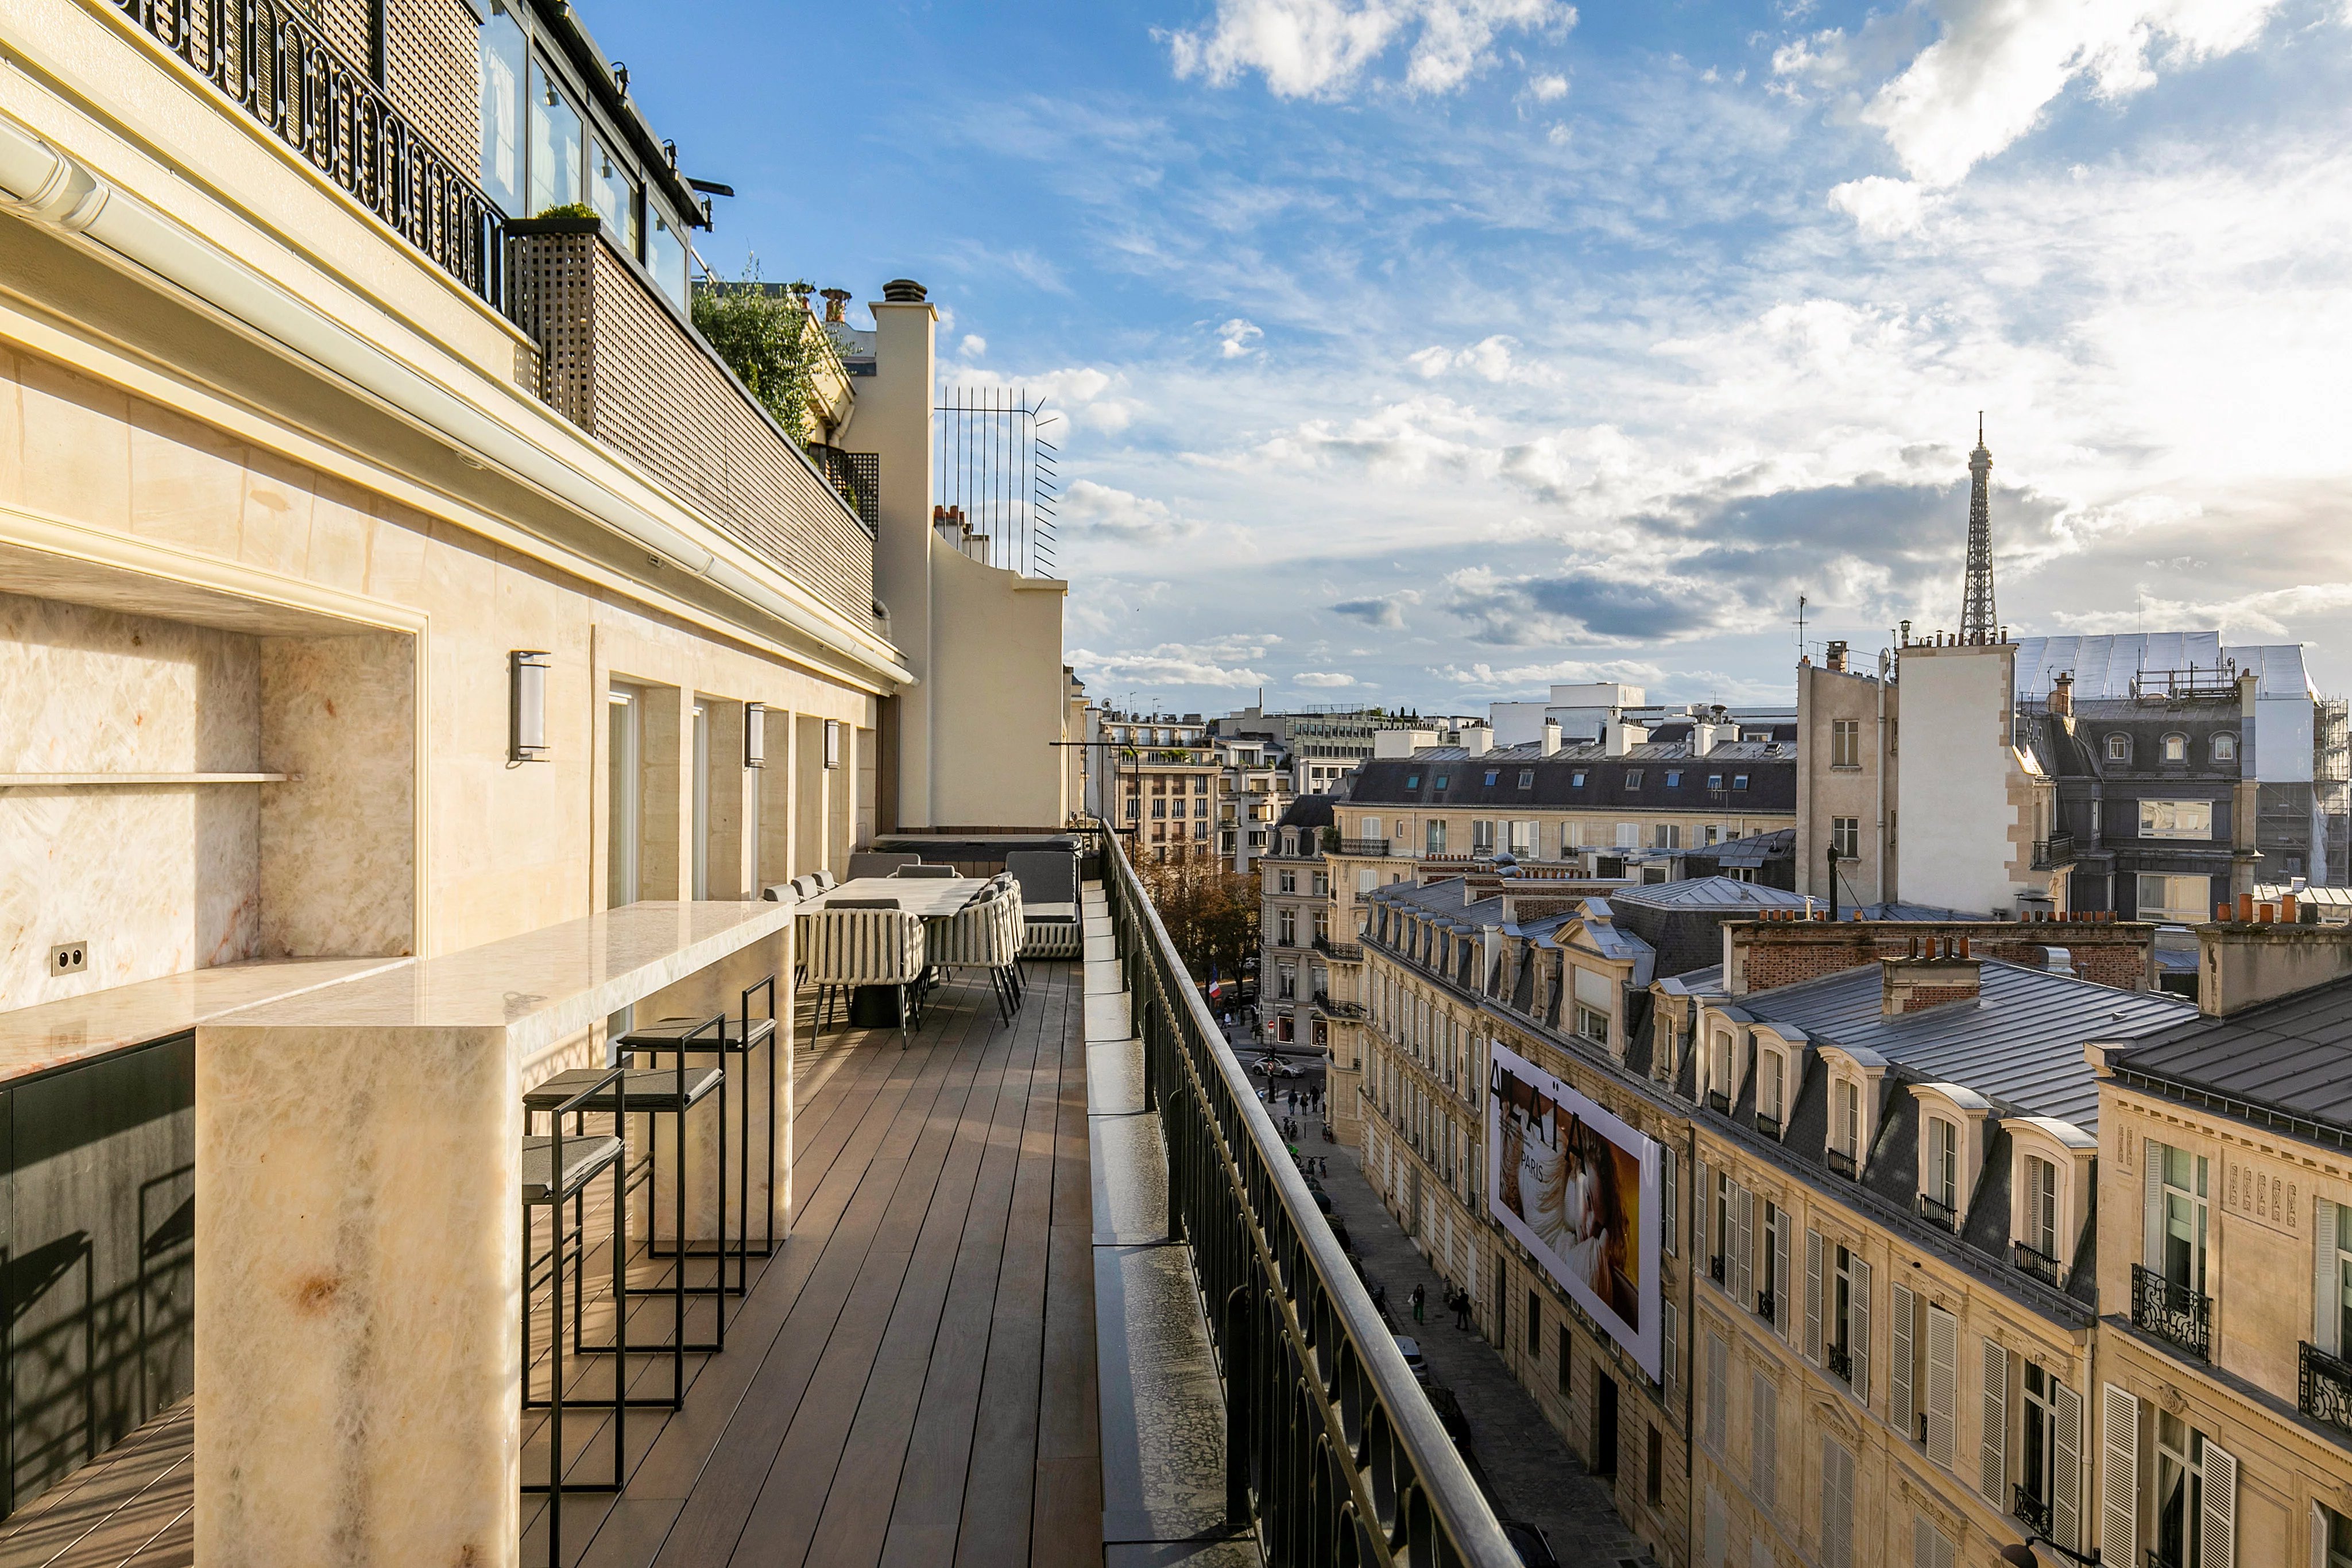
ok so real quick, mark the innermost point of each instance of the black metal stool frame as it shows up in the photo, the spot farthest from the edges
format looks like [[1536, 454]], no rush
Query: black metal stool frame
[[743, 1251], [574, 1245], [680, 1347]]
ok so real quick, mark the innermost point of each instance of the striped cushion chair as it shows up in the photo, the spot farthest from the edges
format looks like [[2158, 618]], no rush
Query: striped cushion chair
[[984, 935], [1049, 897], [860, 942]]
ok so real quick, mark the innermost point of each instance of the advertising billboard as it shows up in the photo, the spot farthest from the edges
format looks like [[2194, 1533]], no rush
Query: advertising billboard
[[1580, 1189]]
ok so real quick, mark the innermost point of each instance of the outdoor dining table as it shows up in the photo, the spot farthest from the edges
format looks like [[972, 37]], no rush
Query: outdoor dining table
[[936, 898]]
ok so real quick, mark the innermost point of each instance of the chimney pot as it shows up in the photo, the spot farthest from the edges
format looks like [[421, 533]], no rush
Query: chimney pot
[[903, 292], [2062, 694], [2287, 909], [2246, 907], [2266, 914], [1837, 657]]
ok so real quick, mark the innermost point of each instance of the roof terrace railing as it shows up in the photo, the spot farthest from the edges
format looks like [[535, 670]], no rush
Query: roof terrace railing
[[271, 61], [1333, 1452]]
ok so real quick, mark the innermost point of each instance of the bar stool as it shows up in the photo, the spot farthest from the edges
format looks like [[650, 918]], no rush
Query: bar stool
[[736, 1037], [557, 1170], [651, 1092]]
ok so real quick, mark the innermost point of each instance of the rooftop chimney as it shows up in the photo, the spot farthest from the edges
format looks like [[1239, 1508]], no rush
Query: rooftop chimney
[[1620, 738], [1476, 741], [1944, 974], [2248, 961], [1552, 737], [1837, 657], [836, 305], [903, 292], [2062, 695]]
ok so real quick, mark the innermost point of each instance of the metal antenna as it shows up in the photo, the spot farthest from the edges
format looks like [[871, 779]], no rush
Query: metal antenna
[[1978, 624]]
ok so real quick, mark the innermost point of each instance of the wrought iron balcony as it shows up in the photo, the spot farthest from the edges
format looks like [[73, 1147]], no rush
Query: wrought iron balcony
[[2035, 1513], [2324, 1388], [1328, 1438], [1330, 1009], [2034, 1262], [1764, 1308], [1345, 952], [1715, 1268], [1843, 1164], [1378, 848], [1769, 1125], [2172, 1311], [2054, 852], [1838, 1359], [1718, 1102], [271, 61], [1935, 1211]]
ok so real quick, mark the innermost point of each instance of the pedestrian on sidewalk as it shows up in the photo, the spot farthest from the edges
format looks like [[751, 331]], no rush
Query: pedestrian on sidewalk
[[1462, 1309], [1419, 1296]]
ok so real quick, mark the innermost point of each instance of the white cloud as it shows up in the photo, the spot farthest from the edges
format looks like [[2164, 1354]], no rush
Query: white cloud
[[2270, 612], [1079, 395], [1882, 208], [1318, 49], [1321, 678], [1999, 63], [1485, 677], [1220, 662], [1236, 337], [1489, 359], [972, 346], [1087, 508], [1547, 88]]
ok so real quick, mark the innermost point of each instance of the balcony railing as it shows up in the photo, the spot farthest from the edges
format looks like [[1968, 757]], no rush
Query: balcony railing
[[1331, 1449], [1330, 1008], [1365, 847], [2034, 1262], [1715, 1267], [2035, 1513], [1769, 1125], [2324, 1388], [2172, 1311], [1843, 1164], [1346, 952], [1838, 1359], [616, 361], [1935, 1211], [270, 60], [1764, 1308], [1718, 1102], [2054, 852]]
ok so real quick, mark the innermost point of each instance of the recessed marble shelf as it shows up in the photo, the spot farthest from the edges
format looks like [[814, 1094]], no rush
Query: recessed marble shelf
[[97, 780]]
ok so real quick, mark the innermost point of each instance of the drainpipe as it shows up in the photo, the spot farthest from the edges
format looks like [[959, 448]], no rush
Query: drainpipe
[[39, 183], [1885, 674]]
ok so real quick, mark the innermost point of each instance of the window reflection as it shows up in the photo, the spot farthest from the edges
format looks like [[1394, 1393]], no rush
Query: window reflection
[[505, 62], [555, 148], [614, 197]]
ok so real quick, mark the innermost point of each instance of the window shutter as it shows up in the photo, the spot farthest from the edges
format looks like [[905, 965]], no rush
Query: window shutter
[[1992, 1450], [1857, 1329], [1813, 1297], [2318, 1536], [1702, 1222], [1944, 1386], [1900, 1409], [1923, 1538], [2220, 1509], [1667, 1168], [1717, 1391], [2326, 1316], [2066, 1471], [2119, 1478], [1837, 1505], [1763, 1439], [1670, 1346], [2151, 1244], [1780, 1278], [1743, 1221]]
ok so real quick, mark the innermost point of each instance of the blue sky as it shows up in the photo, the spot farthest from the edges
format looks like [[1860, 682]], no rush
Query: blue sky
[[1428, 350]]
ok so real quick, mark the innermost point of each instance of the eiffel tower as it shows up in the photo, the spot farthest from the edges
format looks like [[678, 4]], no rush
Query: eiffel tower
[[1978, 625]]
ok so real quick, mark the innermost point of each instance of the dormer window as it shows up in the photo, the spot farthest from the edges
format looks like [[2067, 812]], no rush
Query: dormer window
[[1527, 777], [1845, 1130], [1740, 781], [1771, 1070], [1674, 779], [2176, 748], [2119, 749], [1493, 775], [1413, 780], [1576, 780], [1632, 778], [1940, 1185], [1714, 781], [2225, 748], [2039, 1230]]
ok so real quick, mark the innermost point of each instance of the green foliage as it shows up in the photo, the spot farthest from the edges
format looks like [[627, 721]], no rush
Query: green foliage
[[769, 340], [570, 210]]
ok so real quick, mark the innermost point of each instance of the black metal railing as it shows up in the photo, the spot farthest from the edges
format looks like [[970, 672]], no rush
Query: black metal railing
[[2324, 1388], [2056, 850], [2172, 1311], [1718, 1102], [1843, 1164], [1346, 952], [2034, 1262], [270, 60], [1333, 1452], [2157, 1558], [1769, 1125], [1935, 1211], [1838, 1359], [2034, 1513], [1365, 847], [1330, 1008], [1764, 1308], [1715, 1268]]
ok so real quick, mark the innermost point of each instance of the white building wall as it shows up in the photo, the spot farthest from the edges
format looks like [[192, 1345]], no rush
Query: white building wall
[[1956, 814]]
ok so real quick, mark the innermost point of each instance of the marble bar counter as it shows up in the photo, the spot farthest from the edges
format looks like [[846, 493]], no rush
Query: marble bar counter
[[65, 1033], [358, 1176]]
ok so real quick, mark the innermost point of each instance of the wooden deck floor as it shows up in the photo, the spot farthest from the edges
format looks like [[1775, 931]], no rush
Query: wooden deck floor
[[910, 1381]]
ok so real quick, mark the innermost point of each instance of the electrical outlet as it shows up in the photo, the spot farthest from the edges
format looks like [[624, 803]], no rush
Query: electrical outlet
[[68, 959]]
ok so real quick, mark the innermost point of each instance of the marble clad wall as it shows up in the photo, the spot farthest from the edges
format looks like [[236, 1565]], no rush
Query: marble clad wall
[[157, 879], [338, 871]]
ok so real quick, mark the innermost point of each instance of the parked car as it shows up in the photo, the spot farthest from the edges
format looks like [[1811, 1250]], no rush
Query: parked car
[[1276, 1067], [1417, 1362], [1339, 1234], [1449, 1413], [1532, 1544]]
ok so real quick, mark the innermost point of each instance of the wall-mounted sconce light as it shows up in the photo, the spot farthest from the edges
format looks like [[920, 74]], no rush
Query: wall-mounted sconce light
[[755, 734], [832, 743], [527, 704]]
